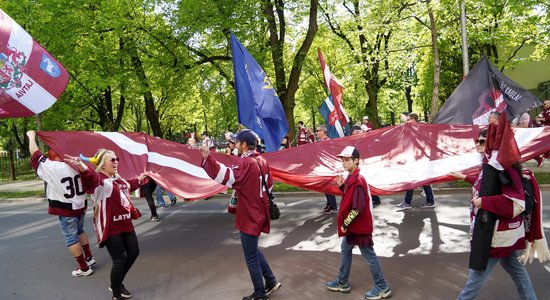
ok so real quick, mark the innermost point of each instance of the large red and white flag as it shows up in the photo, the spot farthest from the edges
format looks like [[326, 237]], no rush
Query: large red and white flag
[[336, 90], [393, 159], [31, 80]]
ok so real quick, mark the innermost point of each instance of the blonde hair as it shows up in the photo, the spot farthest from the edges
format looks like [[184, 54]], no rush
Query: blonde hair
[[101, 155], [103, 158]]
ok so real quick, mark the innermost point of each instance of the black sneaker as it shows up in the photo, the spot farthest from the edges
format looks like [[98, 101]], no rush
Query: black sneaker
[[173, 201], [124, 293], [254, 297], [272, 288]]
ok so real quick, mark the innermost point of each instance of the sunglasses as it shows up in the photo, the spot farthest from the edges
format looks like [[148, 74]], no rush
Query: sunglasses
[[481, 142], [114, 159]]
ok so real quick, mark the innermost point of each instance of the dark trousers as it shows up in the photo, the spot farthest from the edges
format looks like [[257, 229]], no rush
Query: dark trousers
[[148, 190], [123, 249], [257, 265], [331, 201]]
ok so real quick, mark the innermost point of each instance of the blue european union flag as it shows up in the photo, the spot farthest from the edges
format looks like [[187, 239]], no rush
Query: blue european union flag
[[258, 105]]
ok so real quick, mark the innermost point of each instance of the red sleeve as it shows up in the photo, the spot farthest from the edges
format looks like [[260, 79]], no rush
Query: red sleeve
[[134, 184], [36, 158], [90, 180], [359, 197], [471, 179]]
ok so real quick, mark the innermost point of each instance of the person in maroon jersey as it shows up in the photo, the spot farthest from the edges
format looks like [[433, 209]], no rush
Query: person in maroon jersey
[[247, 176], [67, 200], [355, 224], [302, 135], [112, 213]]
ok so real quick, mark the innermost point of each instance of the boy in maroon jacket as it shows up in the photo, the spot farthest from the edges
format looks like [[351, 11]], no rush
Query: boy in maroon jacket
[[355, 224]]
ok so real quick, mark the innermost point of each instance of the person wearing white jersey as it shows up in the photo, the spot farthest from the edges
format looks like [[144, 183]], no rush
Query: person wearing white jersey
[[67, 200]]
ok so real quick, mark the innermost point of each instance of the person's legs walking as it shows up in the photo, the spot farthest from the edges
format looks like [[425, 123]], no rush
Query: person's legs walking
[[369, 255], [251, 256], [70, 228], [332, 206], [131, 246], [115, 246], [519, 275], [148, 190], [341, 283], [429, 193], [160, 199], [476, 280], [409, 196]]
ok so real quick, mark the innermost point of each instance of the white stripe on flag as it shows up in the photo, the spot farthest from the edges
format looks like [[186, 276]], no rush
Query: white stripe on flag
[[20, 40], [32, 95], [136, 148], [337, 125]]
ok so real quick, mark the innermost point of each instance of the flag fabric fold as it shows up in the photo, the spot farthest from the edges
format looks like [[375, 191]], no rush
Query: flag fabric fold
[[483, 91], [259, 107], [336, 89], [333, 124], [31, 80], [393, 159], [501, 149]]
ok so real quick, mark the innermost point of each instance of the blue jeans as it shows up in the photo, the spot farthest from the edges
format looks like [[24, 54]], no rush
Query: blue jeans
[[476, 279], [257, 264], [72, 228], [331, 201], [372, 260], [160, 199], [427, 190]]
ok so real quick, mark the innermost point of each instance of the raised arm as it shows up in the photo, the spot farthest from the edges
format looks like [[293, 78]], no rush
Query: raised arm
[[33, 146]]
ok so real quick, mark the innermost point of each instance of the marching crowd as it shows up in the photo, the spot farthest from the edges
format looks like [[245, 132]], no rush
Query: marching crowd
[[506, 220]]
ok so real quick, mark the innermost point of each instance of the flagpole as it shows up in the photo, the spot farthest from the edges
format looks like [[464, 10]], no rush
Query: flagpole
[[465, 64], [38, 121]]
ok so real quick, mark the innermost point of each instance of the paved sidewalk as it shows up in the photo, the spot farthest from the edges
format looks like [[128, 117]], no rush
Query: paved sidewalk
[[22, 185]]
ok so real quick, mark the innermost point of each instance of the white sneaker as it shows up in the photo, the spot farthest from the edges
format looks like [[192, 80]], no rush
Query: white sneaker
[[91, 261], [79, 273]]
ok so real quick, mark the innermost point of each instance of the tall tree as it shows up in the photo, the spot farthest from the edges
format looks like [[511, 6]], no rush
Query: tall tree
[[275, 15], [369, 46]]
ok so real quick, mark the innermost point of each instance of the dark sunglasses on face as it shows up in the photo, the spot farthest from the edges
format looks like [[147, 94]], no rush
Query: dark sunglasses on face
[[114, 159], [480, 142]]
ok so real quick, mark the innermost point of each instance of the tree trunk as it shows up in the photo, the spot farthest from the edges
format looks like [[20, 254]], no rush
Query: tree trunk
[[150, 110], [287, 92], [437, 62], [372, 105]]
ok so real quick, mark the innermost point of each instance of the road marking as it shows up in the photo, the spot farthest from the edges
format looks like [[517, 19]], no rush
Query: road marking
[[547, 268]]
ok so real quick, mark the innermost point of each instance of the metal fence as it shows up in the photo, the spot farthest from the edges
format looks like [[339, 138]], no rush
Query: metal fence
[[13, 166]]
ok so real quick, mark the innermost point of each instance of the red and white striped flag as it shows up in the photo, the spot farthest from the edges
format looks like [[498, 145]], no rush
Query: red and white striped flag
[[31, 80], [393, 159], [336, 90]]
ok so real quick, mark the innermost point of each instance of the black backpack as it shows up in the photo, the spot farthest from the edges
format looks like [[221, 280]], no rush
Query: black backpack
[[529, 191]]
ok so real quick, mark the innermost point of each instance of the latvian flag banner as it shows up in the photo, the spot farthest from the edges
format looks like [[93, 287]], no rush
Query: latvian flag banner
[[393, 159], [31, 80]]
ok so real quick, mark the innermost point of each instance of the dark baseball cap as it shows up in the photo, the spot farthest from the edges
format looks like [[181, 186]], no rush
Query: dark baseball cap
[[247, 136]]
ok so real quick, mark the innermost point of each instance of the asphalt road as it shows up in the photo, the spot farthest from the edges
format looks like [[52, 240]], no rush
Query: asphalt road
[[194, 253]]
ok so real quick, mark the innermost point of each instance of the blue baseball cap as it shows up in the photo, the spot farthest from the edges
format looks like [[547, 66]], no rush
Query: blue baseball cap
[[247, 136]]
